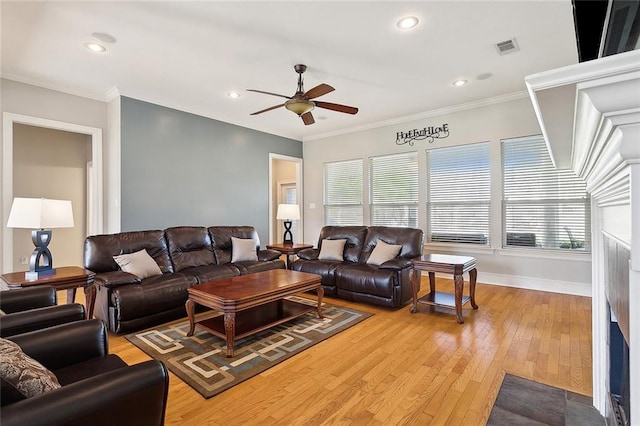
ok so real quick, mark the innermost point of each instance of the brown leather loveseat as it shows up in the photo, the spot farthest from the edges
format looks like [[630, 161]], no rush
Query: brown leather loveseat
[[186, 255], [353, 277]]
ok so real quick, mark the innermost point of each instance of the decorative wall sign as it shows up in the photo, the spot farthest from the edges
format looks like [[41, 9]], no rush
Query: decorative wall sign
[[430, 133]]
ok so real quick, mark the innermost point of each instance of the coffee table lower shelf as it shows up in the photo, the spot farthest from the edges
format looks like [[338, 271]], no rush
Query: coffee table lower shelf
[[256, 319]]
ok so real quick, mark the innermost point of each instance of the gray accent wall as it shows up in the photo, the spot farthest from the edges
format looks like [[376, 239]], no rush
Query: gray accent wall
[[184, 169]]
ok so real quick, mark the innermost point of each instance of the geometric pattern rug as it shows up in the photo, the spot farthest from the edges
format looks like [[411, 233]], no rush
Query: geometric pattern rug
[[524, 402], [201, 362]]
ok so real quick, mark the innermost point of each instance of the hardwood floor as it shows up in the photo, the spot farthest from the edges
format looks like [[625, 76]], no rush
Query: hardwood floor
[[403, 368]]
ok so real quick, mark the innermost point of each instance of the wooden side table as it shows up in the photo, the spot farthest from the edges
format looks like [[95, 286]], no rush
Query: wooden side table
[[449, 264], [289, 250], [65, 278]]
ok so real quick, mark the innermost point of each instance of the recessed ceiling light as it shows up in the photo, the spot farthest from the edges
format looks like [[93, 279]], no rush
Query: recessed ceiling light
[[407, 23], [233, 95], [104, 37], [459, 83], [484, 76], [95, 47]]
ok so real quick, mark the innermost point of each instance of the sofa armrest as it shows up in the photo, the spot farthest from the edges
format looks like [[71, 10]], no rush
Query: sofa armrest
[[309, 254], [23, 299], [51, 346], [268, 254], [36, 319], [135, 395], [397, 264], [115, 279]]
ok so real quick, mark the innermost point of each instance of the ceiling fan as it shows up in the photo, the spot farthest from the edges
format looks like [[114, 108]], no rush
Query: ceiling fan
[[301, 102]]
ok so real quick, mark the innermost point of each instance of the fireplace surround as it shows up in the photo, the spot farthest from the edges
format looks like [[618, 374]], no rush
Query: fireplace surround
[[589, 114]]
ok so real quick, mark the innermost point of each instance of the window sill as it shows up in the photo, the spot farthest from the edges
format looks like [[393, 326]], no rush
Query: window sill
[[458, 248], [545, 254], [454, 248]]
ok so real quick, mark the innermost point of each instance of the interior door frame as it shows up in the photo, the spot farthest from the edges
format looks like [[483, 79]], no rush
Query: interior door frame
[[299, 193], [95, 222]]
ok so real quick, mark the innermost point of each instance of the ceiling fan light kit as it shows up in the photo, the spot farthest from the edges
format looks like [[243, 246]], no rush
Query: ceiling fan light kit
[[301, 104]]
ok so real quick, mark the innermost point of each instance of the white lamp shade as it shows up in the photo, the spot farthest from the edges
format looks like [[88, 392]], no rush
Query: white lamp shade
[[40, 213], [288, 212]]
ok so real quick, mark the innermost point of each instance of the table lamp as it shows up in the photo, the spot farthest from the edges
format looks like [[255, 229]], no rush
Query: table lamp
[[40, 215], [288, 212]]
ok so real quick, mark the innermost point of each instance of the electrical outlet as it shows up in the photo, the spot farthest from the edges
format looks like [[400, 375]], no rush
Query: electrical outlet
[[24, 260]]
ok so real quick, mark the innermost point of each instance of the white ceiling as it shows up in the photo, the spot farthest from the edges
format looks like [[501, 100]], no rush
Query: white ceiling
[[189, 55]]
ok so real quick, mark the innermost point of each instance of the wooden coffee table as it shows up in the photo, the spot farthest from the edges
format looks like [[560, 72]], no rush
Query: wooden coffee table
[[251, 303]]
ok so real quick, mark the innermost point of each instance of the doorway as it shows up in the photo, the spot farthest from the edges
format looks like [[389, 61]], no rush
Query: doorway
[[285, 187], [92, 223]]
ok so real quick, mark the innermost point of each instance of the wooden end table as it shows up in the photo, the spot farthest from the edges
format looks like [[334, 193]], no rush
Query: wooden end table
[[64, 278], [448, 264], [251, 303], [289, 250]]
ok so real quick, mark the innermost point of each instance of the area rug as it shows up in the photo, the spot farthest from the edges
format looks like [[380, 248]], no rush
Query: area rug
[[201, 362], [525, 402]]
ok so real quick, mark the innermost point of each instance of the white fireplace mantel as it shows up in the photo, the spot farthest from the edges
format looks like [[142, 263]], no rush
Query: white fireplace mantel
[[589, 114]]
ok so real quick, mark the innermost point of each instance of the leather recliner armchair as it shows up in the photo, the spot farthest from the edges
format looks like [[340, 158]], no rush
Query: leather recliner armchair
[[98, 388], [33, 308]]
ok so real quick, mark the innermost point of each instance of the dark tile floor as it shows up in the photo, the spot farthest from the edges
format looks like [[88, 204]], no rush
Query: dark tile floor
[[524, 402]]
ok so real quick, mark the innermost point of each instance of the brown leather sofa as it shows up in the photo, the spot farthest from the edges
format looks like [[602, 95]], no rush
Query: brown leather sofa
[[186, 255], [32, 308], [97, 388], [387, 284]]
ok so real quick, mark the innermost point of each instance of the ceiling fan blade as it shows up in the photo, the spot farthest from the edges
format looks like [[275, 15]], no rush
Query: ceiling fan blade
[[319, 90], [267, 109], [307, 118], [336, 107], [268, 93]]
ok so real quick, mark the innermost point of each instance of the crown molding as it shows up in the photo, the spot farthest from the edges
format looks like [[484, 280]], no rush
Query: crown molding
[[58, 88], [422, 115]]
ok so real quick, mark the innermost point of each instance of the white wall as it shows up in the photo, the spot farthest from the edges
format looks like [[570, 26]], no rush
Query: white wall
[[493, 122]]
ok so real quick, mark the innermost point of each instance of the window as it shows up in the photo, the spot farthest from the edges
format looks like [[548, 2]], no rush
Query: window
[[458, 194], [394, 190], [542, 206], [343, 193]]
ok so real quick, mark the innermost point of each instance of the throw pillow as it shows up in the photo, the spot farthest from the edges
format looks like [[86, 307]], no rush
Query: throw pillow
[[139, 264], [332, 250], [243, 249], [24, 373], [383, 252]]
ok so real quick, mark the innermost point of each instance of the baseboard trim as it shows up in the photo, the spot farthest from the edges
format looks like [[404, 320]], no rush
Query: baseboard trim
[[529, 283]]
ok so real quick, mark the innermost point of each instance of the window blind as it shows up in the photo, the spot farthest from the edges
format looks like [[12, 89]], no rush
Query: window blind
[[394, 190], [343, 193], [542, 206], [458, 194]]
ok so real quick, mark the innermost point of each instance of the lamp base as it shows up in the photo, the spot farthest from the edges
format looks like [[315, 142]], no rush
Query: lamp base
[[288, 236], [34, 275]]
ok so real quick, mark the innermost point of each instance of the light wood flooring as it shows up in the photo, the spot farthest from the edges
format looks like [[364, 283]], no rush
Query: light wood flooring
[[403, 368]]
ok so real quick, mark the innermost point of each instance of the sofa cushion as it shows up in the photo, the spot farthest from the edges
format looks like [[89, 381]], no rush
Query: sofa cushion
[[23, 373], [332, 249], [100, 249], [355, 236], [208, 273], [221, 240], [325, 268], [383, 252], [189, 246], [243, 250], [138, 263], [409, 238], [368, 279], [152, 295]]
